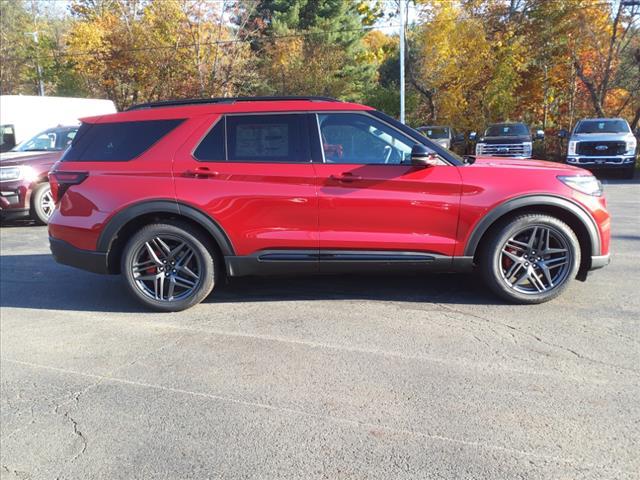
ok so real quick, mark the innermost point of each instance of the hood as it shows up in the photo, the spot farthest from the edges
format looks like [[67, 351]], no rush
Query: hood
[[11, 155], [505, 140], [601, 137], [11, 159], [519, 163]]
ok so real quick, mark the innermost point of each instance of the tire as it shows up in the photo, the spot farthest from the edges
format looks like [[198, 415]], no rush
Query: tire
[[515, 269], [149, 274], [42, 204]]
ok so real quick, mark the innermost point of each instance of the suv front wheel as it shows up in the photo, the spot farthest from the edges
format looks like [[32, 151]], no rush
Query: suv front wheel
[[169, 266], [42, 204], [530, 259]]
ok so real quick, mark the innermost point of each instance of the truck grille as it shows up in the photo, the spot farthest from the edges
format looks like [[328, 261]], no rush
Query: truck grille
[[505, 150], [601, 149]]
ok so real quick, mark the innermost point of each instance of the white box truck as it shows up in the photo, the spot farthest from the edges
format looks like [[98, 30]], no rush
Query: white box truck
[[23, 116]]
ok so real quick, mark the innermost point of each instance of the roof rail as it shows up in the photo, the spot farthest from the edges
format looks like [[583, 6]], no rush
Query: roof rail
[[200, 101]]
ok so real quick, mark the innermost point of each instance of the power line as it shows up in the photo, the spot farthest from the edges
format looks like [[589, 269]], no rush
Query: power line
[[217, 42], [283, 37]]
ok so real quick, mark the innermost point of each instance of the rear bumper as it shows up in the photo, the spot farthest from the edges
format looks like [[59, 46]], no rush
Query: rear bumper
[[67, 254]]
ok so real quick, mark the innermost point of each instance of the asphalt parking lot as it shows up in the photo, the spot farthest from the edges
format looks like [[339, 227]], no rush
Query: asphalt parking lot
[[329, 377]]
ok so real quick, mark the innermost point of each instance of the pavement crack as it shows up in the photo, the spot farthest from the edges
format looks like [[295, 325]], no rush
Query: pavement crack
[[79, 433], [17, 473], [362, 424], [541, 340]]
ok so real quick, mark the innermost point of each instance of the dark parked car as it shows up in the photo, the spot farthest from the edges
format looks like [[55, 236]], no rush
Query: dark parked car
[[445, 136], [176, 195], [507, 140], [24, 184]]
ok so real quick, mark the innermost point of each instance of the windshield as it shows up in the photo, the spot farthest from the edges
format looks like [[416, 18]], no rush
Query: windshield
[[7, 138], [435, 132], [507, 130], [603, 126], [52, 140]]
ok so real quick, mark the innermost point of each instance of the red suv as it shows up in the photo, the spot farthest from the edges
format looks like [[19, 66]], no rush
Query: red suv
[[177, 195]]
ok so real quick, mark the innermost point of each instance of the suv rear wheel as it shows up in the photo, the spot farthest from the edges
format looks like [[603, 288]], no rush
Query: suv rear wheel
[[530, 259], [169, 266]]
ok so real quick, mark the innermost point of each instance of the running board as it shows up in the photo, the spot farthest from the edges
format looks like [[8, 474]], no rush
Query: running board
[[288, 262]]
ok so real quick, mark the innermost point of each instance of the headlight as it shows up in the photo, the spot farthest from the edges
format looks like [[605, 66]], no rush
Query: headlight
[[631, 146], [583, 183], [479, 147], [572, 147], [21, 172], [528, 147]]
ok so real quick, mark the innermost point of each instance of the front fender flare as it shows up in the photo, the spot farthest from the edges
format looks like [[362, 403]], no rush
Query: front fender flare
[[533, 201]]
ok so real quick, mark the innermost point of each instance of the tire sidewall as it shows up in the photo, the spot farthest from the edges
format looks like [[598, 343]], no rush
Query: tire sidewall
[[201, 248], [492, 258], [36, 208]]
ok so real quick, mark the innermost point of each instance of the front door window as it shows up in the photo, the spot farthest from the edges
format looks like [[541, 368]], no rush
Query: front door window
[[353, 138]]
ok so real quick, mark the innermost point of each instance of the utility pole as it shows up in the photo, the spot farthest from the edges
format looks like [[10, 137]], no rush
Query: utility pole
[[402, 13], [34, 35]]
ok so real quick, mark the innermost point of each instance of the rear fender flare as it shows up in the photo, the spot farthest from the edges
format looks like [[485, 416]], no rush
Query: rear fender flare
[[120, 219]]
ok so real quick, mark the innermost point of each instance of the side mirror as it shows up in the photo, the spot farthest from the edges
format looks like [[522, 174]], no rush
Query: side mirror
[[539, 135], [563, 133], [473, 136], [421, 156]]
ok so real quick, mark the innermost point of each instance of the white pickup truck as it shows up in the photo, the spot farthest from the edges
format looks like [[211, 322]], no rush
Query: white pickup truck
[[603, 144]]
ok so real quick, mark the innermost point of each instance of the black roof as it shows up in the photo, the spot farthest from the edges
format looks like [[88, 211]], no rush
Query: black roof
[[198, 101]]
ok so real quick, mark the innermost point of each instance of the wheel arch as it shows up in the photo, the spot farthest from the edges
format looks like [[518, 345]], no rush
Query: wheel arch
[[113, 236], [580, 221]]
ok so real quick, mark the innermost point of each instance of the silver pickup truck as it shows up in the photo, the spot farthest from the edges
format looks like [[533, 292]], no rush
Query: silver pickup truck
[[603, 144]]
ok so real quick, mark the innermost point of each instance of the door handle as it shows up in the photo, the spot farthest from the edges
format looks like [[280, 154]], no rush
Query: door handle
[[199, 172], [346, 177]]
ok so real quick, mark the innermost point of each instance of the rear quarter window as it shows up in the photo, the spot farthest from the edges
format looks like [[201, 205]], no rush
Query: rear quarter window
[[118, 141]]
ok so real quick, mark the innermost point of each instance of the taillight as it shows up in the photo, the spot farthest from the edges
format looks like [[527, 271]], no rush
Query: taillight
[[61, 181]]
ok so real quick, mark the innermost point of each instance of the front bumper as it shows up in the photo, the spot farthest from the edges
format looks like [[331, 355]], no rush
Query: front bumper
[[67, 254], [14, 195], [599, 261], [14, 213], [597, 163]]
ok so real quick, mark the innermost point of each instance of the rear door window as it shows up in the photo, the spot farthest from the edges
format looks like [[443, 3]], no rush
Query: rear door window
[[118, 141], [268, 138]]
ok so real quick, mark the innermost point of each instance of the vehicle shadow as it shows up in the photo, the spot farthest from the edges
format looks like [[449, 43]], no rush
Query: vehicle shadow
[[23, 222], [37, 282]]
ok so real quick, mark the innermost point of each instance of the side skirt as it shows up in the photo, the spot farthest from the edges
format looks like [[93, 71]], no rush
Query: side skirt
[[288, 262]]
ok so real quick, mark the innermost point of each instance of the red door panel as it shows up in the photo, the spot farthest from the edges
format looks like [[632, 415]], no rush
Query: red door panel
[[259, 205], [388, 207]]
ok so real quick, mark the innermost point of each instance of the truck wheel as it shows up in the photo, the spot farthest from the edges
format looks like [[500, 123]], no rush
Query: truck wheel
[[42, 204], [530, 259], [169, 266]]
